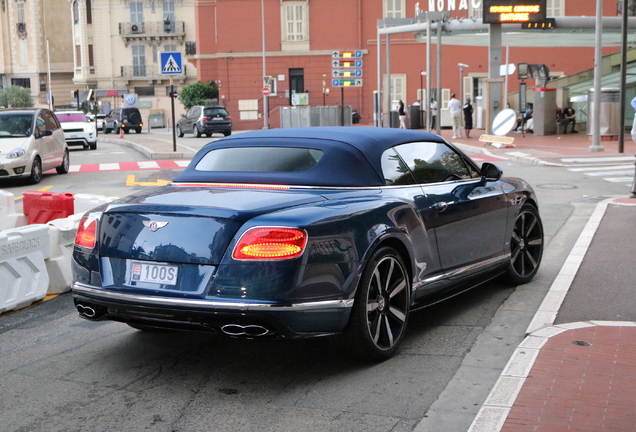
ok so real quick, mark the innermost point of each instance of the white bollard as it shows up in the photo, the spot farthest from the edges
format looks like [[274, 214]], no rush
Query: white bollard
[[23, 275]]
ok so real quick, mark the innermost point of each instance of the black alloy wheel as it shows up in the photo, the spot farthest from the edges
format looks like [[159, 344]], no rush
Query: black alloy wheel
[[66, 163], [380, 312], [526, 246], [36, 171]]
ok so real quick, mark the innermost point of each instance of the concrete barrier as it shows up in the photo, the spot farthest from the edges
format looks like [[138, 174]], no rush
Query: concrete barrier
[[23, 274]]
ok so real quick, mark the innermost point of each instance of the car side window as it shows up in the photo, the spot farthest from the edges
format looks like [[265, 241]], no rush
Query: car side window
[[40, 125], [50, 121], [434, 162], [395, 172]]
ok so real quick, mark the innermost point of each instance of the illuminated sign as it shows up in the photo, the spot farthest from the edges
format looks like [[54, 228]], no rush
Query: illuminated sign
[[346, 54], [514, 11]]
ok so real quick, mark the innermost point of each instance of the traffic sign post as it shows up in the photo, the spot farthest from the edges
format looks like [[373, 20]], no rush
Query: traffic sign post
[[172, 64], [346, 72], [265, 91]]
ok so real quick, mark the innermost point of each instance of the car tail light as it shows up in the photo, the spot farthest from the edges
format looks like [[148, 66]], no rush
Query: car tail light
[[86, 233], [205, 119], [270, 243], [228, 117]]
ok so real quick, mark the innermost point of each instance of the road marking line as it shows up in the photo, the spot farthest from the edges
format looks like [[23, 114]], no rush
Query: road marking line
[[616, 167], [148, 164], [600, 159], [606, 173], [109, 167]]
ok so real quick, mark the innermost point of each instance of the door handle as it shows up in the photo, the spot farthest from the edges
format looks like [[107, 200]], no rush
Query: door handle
[[440, 206]]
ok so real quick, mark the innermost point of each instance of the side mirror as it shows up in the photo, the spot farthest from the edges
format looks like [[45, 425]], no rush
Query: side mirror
[[45, 132], [490, 172]]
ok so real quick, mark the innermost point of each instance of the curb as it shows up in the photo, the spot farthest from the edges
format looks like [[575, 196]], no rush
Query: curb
[[494, 412]]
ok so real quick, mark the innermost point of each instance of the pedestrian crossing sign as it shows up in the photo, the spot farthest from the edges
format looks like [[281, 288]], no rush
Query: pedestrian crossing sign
[[171, 63]]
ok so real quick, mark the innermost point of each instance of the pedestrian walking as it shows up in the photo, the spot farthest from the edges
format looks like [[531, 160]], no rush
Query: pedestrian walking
[[455, 109], [433, 108], [402, 115], [468, 117]]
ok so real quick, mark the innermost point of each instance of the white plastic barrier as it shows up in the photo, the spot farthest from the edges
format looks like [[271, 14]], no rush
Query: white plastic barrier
[[86, 202], [23, 274], [62, 235], [8, 217]]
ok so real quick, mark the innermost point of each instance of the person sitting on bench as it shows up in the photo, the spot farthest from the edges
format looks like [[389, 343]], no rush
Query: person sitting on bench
[[567, 117]]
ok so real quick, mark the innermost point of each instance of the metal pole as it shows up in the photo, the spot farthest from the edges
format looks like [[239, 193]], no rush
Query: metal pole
[[265, 105], [438, 77], [428, 69], [174, 133], [342, 116], [48, 74], [377, 121], [596, 123], [506, 78], [422, 100], [621, 136], [388, 76]]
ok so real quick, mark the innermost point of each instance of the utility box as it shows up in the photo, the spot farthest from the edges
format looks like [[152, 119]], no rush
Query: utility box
[[544, 111]]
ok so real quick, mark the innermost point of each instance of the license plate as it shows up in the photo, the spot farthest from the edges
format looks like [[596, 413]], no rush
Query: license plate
[[217, 118], [154, 273], [73, 136]]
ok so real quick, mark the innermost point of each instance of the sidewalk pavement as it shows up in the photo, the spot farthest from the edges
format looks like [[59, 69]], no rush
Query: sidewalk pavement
[[572, 376]]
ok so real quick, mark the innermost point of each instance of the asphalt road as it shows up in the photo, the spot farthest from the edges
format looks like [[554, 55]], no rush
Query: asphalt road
[[61, 373]]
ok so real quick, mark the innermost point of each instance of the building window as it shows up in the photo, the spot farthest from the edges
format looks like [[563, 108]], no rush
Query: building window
[[145, 91], [170, 48], [139, 60], [78, 55], [169, 15], [554, 8], [21, 82], [295, 21], [176, 90], [20, 7], [137, 12], [24, 53], [91, 61], [393, 9], [89, 12], [476, 9], [398, 87]]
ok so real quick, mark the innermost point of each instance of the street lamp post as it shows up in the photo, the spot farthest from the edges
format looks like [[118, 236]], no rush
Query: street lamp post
[[461, 81], [423, 100], [265, 107]]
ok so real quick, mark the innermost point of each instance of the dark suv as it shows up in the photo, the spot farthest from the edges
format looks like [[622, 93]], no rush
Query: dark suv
[[126, 118], [205, 120]]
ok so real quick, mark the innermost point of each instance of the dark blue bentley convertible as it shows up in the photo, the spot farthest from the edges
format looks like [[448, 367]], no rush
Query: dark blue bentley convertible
[[307, 232]]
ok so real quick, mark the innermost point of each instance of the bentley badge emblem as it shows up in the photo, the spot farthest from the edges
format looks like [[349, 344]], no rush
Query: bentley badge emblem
[[154, 226]]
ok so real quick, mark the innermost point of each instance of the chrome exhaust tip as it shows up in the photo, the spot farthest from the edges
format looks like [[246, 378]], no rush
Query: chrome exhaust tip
[[85, 311], [251, 330]]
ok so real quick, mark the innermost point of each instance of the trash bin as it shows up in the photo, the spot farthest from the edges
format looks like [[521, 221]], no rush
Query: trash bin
[[413, 117], [610, 118]]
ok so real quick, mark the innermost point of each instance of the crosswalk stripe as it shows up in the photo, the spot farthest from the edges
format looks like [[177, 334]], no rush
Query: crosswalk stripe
[[609, 168], [607, 173], [109, 167], [148, 165], [600, 159], [619, 179]]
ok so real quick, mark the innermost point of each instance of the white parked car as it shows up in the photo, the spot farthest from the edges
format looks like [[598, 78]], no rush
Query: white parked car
[[78, 129], [31, 142]]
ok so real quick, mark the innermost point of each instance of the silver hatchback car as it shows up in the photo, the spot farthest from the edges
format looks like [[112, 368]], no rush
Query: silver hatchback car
[[31, 142]]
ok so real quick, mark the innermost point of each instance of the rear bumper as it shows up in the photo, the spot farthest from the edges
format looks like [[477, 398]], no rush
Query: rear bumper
[[306, 319]]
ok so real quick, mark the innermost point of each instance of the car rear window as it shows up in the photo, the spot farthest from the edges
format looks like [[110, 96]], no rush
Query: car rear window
[[70, 117], [212, 112], [260, 159]]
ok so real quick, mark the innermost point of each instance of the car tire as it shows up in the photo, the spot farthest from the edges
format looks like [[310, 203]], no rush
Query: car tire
[[526, 246], [126, 130], [66, 164], [93, 145], [36, 171], [227, 133], [106, 130], [138, 130], [208, 134], [381, 308], [179, 132], [196, 131]]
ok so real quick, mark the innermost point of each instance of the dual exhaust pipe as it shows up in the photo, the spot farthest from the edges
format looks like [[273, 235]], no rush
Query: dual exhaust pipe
[[85, 311], [234, 330], [252, 330]]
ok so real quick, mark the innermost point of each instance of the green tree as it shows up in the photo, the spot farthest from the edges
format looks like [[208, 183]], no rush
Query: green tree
[[198, 93], [15, 97]]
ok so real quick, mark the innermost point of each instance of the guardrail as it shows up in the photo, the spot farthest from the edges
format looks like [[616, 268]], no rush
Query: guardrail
[[35, 260]]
